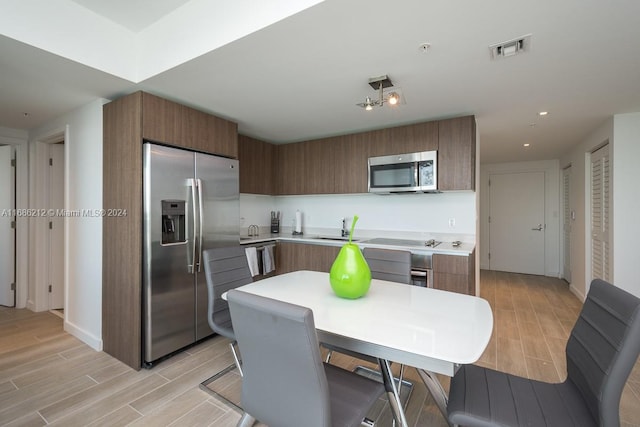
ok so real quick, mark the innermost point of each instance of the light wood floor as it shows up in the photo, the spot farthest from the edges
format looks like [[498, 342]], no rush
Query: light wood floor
[[49, 377]]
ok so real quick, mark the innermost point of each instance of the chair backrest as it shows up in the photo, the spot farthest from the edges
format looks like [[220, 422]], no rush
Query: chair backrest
[[284, 382], [603, 347], [388, 264], [225, 268]]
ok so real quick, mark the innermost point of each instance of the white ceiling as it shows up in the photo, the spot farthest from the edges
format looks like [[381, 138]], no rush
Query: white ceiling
[[300, 77]]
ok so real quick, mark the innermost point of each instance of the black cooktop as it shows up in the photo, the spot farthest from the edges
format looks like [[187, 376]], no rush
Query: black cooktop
[[403, 242]]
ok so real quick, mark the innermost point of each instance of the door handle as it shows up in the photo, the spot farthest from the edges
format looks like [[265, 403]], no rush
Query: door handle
[[539, 228]]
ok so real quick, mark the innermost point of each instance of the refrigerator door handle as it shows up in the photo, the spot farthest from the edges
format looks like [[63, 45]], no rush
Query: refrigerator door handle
[[192, 268], [200, 203]]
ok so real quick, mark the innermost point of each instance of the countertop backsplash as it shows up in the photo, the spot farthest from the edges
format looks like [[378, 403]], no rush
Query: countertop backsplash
[[403, 216]]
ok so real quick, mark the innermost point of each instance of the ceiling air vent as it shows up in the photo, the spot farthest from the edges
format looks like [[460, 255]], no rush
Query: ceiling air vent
[[511, 47]]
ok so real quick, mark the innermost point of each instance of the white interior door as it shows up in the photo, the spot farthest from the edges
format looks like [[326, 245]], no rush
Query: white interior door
[[600, 199], [7, 232], [56, 227], [566, 223], [517, 222]]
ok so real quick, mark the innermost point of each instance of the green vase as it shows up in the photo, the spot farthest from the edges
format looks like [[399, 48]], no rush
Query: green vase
[[350, 276]]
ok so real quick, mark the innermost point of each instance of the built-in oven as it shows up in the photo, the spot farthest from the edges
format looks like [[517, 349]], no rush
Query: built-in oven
[[421, 270], [403, 173]]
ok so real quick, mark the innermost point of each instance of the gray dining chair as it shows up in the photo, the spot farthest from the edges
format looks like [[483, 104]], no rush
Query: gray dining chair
[[285, 383], [602, 349], [225, 268]]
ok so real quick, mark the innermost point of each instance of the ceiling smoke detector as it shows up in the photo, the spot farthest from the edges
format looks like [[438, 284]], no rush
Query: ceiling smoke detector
[[510, 47]]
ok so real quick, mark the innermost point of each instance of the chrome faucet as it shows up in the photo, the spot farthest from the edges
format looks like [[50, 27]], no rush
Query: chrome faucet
[[345, 232]]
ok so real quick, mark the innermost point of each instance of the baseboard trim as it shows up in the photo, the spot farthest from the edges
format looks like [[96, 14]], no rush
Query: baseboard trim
[[87, 338], [576, 292]]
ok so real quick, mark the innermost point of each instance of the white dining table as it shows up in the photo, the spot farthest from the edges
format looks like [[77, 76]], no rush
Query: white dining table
[[432, 330]]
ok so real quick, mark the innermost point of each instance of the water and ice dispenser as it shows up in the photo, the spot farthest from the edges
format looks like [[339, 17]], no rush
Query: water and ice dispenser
[[173, 222]]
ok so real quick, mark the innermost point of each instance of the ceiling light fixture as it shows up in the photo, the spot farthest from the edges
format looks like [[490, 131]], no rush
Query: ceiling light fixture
[[379, 84], [543, 113]]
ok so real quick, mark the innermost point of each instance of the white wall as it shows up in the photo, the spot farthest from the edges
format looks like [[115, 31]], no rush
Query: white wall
[[552, 209], [626, 201], [421, 213], [579, 158], [83, 235], [623, 133]]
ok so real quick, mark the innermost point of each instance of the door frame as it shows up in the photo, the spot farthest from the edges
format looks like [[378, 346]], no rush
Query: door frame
[[566, 205], [10, 219], [38, 224], [588, 215], [18, 139], [551, 168]]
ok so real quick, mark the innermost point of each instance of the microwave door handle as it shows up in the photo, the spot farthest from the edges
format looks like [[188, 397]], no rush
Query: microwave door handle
[[416, 174], [200, 203]]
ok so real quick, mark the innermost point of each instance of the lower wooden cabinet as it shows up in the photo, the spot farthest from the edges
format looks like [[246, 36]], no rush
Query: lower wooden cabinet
[[455, 273], [302, 256]]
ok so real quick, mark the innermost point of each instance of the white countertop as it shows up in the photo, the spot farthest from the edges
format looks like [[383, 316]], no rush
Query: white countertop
[[445, 247]]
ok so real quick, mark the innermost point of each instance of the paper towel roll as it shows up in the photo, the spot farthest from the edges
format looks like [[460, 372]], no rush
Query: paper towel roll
[[298, 222]]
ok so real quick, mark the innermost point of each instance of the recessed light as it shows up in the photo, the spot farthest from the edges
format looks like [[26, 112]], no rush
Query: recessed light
[[424, 47], [543, 113], [526, 145]]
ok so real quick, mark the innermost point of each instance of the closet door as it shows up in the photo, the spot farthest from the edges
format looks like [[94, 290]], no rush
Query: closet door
[[600, 214]]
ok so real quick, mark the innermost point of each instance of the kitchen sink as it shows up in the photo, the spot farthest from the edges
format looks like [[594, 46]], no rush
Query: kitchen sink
[[335, 238]]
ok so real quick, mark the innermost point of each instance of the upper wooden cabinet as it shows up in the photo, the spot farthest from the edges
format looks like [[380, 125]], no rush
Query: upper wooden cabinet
[[338, 165], [126, 123], [405, 139], [457, 154], [289, 173], [182, 126], [257, 171]]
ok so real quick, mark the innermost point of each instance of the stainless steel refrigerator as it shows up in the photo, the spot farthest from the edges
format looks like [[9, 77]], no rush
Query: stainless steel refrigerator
[[191, 203]]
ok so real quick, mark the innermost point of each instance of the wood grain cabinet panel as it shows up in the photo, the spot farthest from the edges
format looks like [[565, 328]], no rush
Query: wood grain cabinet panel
[[290, 169], [122, 243], [319, 167], [256, 166], [351, 155], [126, 122], [457, 154], [302, 256], [175, 124], [454, 273]]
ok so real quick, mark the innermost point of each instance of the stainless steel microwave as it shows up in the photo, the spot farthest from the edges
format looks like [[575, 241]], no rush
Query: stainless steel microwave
[[404, 173]]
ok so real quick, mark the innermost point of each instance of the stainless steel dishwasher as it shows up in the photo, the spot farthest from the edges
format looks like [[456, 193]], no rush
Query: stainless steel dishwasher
[[421, 270]]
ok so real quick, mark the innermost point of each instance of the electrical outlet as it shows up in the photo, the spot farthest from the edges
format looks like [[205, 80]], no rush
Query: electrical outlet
[[452, 222]]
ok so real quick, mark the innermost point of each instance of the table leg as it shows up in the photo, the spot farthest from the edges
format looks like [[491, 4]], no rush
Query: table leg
[[392, 393], [437, 392]]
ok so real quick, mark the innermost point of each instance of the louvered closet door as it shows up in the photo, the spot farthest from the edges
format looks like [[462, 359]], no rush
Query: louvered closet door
[[600, 202]]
